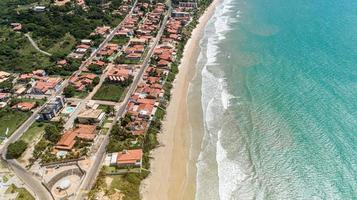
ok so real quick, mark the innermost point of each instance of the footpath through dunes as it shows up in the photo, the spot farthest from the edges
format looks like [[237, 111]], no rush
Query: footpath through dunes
[[172, 168]]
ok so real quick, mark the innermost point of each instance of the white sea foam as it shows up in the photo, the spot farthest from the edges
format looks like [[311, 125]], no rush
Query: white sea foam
[[229, 172], [214, 169]]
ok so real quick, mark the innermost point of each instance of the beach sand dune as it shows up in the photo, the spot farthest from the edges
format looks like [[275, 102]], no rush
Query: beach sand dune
[[172, 172]]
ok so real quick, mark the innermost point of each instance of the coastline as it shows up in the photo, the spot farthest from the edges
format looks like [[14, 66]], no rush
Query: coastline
[[173, 167]]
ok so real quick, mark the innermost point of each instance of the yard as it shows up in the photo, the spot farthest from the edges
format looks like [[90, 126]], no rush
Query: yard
[[109, 92], [120, 40], [35, 130], [11, 120]]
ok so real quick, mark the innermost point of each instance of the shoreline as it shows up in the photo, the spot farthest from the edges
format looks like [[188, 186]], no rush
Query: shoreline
[[173, 167]]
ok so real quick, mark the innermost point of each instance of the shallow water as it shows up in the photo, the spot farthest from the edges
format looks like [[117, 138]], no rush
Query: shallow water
[[279, 99]]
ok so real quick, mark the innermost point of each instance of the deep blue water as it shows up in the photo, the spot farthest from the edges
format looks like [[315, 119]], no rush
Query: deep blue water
[[282, 123]]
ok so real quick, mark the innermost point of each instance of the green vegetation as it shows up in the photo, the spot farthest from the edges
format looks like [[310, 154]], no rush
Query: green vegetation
[[120, 40], [11, 119], [69, 91], [128, 184], [52, 133], [121, 139], [23, 194], [18, 55], [56, 30], [35, 130], [109, 92], [95, 69], [16, 149]]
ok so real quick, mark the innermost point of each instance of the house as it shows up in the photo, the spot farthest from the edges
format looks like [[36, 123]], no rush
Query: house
[[87, 42], [81, 131], [16, 26], [137, 41], [25, 106], [4, 96], [62, 62], [133, 56], [4, 76], [127, 158], [101, 30], [80, 82], [118, 73], [91, 116], [86, 132], [67, 141], [52, 108], [188, 5], [82, 48], [47, 85]]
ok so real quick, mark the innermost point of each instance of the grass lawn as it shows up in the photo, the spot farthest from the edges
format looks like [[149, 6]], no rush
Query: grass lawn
[[35, 130], [11, 119], [120, 40], [23, 194], [109, 92], [65, 45]]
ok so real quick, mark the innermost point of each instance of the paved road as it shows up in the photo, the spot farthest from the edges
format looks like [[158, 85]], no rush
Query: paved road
[[32, 183], [33, 43], [90, 177]]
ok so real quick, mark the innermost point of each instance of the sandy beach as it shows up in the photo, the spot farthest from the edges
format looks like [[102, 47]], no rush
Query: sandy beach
[[173, 170]]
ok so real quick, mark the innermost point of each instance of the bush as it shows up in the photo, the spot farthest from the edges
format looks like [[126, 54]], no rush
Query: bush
[[16, 149], [52, 133], [69, 91]]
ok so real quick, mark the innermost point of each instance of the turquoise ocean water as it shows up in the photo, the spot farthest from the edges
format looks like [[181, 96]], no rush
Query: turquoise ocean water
[[279, 99]]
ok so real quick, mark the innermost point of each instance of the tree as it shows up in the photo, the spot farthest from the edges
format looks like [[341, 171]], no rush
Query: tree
[[16, 149], [119, 133], [69, 91], [52, 133], [95, 69], [96, 80]]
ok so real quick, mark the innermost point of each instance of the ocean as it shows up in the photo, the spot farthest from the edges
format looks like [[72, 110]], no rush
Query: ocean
[[279, 99]]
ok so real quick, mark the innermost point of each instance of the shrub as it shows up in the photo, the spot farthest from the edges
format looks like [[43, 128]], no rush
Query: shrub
[[16, 149]]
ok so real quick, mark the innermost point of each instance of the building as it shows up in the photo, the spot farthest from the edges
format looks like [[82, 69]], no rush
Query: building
[[25, 106], [82, 131], [4, 97], [4, 76], [67, 141], [52, 108], [91, 116], [127, 158], [188, 5], [47, 85], [39, 8]]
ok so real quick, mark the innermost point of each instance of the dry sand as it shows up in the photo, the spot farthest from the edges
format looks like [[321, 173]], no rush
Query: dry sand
[[172, 170]]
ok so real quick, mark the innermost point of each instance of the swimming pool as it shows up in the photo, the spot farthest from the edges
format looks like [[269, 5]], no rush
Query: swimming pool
[[68, 110]]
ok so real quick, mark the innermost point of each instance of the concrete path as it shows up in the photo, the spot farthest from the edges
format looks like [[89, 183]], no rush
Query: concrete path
[[33, 43]]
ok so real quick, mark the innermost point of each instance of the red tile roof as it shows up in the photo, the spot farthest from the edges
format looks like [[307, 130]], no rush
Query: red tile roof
[[129, 156]]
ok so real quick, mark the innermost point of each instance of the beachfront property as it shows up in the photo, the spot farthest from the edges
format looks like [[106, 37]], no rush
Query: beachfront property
[[127, 158], [91, 116], [52, 108]]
